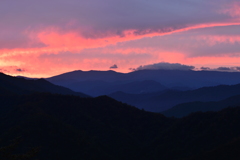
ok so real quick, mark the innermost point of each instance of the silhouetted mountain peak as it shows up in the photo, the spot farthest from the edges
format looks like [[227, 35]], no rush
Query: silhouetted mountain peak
[[26, 86], [168, 78]]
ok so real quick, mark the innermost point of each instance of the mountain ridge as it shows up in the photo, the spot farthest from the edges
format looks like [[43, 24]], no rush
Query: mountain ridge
[[73, 127], [160, 101], [20, 85], [185, 109], [168, 78]]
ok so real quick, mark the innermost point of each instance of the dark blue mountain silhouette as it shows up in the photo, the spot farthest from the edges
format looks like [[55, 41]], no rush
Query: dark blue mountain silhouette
[[185, 109], [72, 127], [164, 100], [97, 87], [102, 82], [10, 85]]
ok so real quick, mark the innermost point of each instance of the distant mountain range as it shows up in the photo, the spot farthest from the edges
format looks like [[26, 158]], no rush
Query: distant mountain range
[[160, 101], [19, 85], [155, 90], [97, 83], [170, 102], [49, 126], [185, 109]]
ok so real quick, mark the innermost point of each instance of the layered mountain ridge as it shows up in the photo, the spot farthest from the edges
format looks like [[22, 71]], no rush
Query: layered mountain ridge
[[55, 126], [107, 82]]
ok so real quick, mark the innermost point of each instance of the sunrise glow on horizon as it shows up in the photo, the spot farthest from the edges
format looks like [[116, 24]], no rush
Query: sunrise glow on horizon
[[47, 38]]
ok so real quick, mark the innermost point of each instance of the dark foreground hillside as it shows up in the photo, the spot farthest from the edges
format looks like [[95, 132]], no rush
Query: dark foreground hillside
[[60, 127]]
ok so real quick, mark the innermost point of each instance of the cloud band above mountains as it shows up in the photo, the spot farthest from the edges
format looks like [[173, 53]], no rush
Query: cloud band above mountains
[[69, 35]]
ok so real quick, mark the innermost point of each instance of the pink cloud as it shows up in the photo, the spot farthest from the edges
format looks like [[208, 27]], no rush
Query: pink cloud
[[56, 42], [35, 66], [232, 9], [215, 39]]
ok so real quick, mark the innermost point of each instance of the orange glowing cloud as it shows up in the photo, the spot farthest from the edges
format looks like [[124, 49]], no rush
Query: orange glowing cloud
[[213, 62], [45, 67], [57, 42], [31, 64], [74, 41], [85, 36]]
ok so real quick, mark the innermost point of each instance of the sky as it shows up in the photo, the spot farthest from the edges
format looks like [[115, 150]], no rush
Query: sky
[[49, 37]]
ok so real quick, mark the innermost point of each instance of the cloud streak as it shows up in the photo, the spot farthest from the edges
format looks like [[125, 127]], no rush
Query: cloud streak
[[165, 66], [221, 69]]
